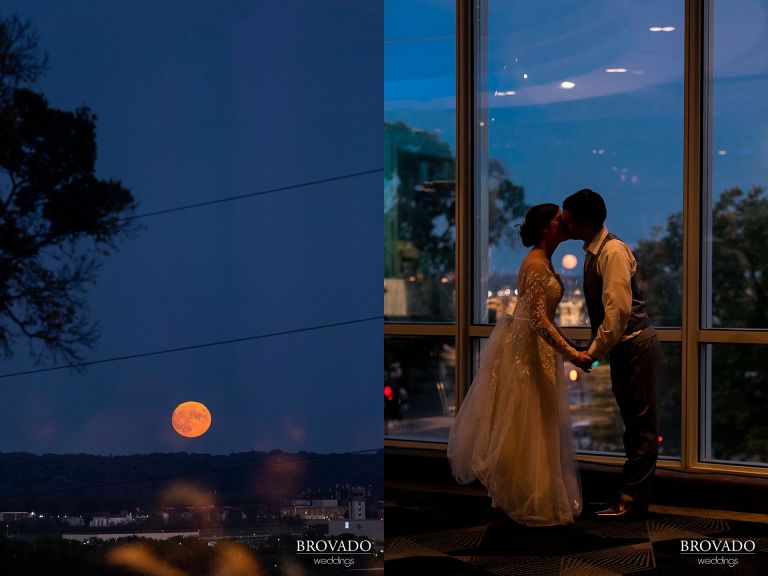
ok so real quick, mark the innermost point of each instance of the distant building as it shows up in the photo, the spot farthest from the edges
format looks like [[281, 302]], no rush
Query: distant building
[[321, 509], [75, 521], [357, 509], [13, 516], [572, 310], [371, 529], [418, 166], [106, 520]]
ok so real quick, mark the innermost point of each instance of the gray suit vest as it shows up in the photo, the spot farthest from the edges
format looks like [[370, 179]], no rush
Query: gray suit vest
[[593, 294]]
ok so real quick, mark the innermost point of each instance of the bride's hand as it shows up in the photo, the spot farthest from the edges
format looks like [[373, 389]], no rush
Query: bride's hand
[[584, 361]]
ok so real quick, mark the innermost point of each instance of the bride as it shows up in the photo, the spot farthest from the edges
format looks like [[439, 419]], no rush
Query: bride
[[513, 430]]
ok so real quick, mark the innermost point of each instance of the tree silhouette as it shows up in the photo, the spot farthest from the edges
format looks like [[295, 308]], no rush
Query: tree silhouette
[[660, 271], [425, 199], [20, 60], [738, 295], [56, 217]]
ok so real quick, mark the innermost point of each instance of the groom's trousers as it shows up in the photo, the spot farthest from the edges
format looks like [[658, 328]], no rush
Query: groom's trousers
[[635, 374]]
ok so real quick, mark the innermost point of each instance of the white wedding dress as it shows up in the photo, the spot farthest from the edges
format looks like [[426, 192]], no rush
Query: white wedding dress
[[513, 430]]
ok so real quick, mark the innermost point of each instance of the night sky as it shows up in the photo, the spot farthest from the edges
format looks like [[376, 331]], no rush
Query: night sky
[[199, 101]]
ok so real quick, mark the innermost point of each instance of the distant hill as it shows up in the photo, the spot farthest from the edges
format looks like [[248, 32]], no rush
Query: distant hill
[[76, 483]]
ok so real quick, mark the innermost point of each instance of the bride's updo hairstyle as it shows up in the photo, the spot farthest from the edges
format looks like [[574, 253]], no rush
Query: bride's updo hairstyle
[[537, 218]]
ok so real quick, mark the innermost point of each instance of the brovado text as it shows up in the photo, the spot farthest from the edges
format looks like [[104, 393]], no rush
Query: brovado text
[[334, 546], [715, 545]]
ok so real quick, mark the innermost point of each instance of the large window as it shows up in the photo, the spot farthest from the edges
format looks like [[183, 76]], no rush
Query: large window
[[579, 101], [656, 105], [419, 387], [419, 160], [735, 425], [419, 216], [735, 238], [737, 206]]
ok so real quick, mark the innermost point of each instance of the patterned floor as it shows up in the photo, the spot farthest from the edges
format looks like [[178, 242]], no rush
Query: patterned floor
[[454, 534]]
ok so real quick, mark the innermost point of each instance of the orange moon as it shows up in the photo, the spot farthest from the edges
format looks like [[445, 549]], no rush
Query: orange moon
[[570, 261], [191, 419]]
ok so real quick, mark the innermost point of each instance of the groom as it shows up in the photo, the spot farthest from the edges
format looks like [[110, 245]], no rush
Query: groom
[[620, 325]]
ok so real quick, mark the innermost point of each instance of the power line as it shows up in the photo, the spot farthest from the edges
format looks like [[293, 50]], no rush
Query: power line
[[183, 475], [191, 347], [253, 194]]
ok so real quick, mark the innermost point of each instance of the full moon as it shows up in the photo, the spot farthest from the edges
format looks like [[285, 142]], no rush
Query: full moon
[[191, 419], [570, 261]]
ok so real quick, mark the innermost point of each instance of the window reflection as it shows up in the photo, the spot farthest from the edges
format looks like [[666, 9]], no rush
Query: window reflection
[[419, 160], [601, 107], [735, 427], [419, 387], [737, 208], [595, 417], [419, 225]]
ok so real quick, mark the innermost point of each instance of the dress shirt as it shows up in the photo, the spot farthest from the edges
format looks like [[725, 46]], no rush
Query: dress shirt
[[616, 266]]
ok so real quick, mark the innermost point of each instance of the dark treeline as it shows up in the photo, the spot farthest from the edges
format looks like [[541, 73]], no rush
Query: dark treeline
[[80, 484]]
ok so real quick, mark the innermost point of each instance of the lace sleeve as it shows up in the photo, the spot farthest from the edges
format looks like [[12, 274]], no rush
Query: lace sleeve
[[534, 278]]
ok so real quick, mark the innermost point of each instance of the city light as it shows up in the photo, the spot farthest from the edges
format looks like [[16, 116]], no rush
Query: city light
[[388, 392], [573, 375]]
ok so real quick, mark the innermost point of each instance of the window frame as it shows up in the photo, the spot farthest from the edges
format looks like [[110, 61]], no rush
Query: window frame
[[693, 335]]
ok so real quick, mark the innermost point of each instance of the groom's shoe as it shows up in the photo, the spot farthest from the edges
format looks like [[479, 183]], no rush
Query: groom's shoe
[[623, 509]]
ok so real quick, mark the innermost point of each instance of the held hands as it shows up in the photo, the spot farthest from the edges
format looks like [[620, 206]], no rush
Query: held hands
[[584, 361]]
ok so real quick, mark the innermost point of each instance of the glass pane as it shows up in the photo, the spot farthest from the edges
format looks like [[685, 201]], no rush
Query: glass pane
[[601, 107], [597, 424], [419, 388], [735, 232], [419, 160], [734, 424]]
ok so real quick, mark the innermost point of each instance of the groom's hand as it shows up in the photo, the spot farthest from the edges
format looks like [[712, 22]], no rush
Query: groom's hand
[[584, 361]]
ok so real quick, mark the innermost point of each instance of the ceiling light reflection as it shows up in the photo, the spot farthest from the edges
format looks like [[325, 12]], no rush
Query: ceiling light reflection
[[662, 28], [615, 70], [567, 85]]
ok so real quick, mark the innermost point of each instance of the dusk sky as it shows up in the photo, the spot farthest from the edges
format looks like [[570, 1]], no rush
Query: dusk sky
[[199, 101], [618, 127]]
